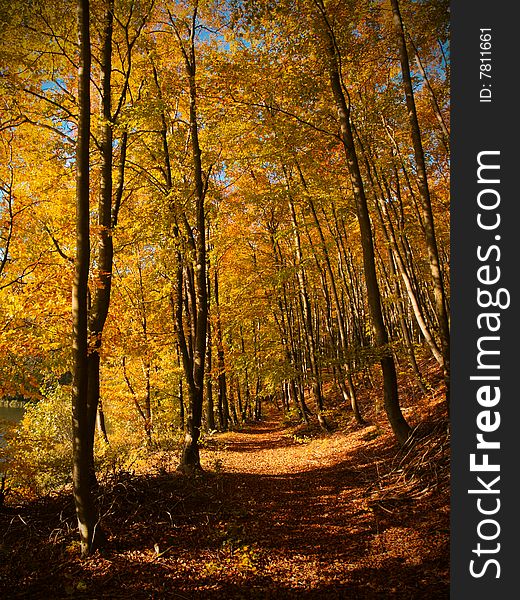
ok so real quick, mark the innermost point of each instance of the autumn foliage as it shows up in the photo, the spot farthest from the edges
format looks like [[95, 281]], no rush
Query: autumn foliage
[[268, 224]]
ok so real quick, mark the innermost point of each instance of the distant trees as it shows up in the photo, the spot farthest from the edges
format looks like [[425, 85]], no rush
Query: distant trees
[[383, 189]]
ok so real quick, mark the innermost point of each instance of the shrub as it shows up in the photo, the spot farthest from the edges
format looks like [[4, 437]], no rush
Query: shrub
[[39, 450]]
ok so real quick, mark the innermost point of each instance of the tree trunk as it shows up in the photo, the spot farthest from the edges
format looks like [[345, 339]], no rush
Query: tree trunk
[[287, 334], [85, 508], [103, 274], [339, 313], [424, 192], [210, 416], [101, 424], [190, 457], [181, 404], [148, 405], [398, 423], [433, 98], [307, 319], [382, 201], [223, 402]]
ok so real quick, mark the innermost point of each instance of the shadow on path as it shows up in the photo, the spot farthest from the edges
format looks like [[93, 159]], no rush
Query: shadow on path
[[307, 534]]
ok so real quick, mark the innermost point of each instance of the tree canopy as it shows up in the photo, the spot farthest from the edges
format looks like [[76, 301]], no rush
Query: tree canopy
[[246, 203]]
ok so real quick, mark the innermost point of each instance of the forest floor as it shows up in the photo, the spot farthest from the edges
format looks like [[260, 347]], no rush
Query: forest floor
[[280, 512]]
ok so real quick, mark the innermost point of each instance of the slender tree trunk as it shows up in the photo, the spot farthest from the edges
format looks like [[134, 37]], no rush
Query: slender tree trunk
[[223, 401], [103, 273], [181, 405], [240, 406], [339, 313], [388, 229], [190, 457], [101, 424], [287, 334], [424, 192], [144, 414], [85, 508], [433, 98], [397, 421], [210, 416], [247, 393], [148, 404], [404, 329], [410, 289], [307, 320], [232, 402]]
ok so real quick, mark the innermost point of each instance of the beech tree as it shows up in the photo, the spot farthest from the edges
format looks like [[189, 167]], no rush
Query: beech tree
[[90, 533]]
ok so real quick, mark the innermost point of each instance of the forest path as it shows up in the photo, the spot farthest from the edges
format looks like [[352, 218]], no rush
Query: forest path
[[276, 515], [303, 511]]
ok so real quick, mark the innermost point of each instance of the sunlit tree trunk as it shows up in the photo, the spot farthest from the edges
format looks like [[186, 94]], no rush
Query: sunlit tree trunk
[[397, 421], [101, 424], [348, 386], [383, 198], [307, 320], [433, 98], [85, 508], [190, 456]]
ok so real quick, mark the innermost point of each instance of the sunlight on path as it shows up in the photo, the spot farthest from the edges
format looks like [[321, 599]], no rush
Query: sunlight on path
[[267, 448], [303, 507]]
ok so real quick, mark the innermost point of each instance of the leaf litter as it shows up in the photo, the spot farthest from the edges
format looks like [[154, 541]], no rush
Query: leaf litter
[[280, 511]]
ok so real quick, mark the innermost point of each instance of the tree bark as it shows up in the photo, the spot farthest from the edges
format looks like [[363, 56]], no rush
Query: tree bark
[[210, 416], [307, 319], [349, 387], [397, 421], [382, 201], [103, 275], [85, 508], [424, 193], [223, 402], [190, 459]]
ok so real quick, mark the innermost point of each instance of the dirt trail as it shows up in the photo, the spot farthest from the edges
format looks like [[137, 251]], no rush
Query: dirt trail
[[275, 516], [306, 507]]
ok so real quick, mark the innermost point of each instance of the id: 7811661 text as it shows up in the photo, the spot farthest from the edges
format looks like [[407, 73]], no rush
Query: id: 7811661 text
[[485, 94]]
